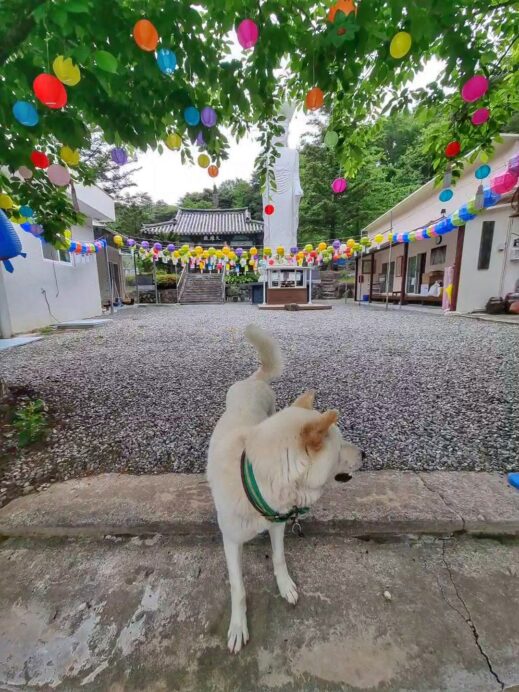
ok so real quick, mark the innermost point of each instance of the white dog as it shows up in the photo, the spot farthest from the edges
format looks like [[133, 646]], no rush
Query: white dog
[[265, 468]]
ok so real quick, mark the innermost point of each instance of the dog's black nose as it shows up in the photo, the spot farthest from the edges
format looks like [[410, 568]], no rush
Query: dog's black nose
[[363, 455], [343, 477]]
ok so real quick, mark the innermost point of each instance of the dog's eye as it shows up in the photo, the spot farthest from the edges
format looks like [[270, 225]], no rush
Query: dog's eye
[[343, 477]]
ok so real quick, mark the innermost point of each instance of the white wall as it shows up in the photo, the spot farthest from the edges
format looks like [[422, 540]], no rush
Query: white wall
[[478, 285], [71, 289]]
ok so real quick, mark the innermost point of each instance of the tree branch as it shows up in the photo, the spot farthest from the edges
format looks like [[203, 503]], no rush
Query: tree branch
[[13, 37]]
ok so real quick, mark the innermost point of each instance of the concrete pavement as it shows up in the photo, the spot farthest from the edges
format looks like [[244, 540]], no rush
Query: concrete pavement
[[125, 614]]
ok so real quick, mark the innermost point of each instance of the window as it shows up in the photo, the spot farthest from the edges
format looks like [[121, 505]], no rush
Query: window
[[439, 255], [485, 246], [50, 253]]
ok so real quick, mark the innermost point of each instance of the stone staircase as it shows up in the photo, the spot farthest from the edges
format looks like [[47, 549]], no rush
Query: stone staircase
[[202, 288], [328, 280]]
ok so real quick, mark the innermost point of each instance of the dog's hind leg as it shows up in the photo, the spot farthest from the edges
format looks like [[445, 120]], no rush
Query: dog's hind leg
[[286, 586], [238, 634]]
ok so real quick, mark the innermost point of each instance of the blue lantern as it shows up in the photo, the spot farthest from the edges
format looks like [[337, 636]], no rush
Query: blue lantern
[[465, 214], [166, 60], [482, 172], [405, 237], [72, 246], [446, 195], [192, 116], [27, 227], [490, 198], [26, 211], [10, 245], [26, 113]]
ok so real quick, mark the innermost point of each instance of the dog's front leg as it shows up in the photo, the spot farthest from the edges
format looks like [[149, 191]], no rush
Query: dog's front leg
[[286, 586], [238, 634]]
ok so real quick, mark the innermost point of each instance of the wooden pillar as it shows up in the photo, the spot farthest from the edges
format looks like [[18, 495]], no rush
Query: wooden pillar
[[371, 273], [356, 278], [404, 273], [457, 267]]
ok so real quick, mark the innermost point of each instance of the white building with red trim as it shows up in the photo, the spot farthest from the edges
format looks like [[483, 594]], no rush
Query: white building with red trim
[[476, 261]]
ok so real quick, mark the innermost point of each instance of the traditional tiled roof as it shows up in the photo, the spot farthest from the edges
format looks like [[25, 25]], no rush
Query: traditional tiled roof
[[203, 222]]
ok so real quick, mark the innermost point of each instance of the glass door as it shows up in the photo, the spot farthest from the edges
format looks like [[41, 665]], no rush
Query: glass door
[[415, 270], [384, 277]]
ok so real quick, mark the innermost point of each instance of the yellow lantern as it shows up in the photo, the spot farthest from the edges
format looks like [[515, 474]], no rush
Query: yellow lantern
[[6, 202], [204, 161], [253, 251], [173, 141], [67, 234], [226, 251], [198, 250], [205, 254], [379, 239], [176, 254], [267, 251], [252, 262], [69, 156], [400, 45], [118, 240], [66, 71], [350, 243], [321, 247], [280, 250]]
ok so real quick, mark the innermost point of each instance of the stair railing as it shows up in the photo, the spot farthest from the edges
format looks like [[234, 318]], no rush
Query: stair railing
[[181, 284]]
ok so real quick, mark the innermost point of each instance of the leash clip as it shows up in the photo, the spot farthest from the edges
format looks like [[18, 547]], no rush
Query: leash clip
[[297, 528]]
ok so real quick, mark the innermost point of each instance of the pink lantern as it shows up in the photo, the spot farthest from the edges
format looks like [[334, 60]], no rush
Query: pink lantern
[[59, 175], [248, 33], [339, 185], [475, 88], [504, 183], [480, 116], [513, 165]]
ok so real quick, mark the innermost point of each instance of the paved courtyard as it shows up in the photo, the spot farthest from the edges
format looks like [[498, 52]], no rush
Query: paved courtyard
[[142, 394]]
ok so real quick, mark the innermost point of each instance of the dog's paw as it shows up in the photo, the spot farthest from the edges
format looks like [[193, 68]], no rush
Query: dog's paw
[[288, 589], [238, 635]]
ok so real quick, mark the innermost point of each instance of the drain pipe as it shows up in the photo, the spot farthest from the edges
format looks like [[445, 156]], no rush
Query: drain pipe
[[6, 327]]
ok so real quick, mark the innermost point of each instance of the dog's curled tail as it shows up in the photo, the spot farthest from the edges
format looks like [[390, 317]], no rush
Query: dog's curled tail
[[268, 351]]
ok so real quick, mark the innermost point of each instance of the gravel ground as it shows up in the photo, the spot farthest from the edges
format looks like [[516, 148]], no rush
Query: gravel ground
[[142, 394]]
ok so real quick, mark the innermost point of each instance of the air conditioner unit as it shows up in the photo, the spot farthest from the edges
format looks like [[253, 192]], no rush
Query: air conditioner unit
[[514, 254]]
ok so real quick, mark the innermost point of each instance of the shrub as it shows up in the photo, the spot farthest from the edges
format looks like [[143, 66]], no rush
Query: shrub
[[236, 279], [30, 422]]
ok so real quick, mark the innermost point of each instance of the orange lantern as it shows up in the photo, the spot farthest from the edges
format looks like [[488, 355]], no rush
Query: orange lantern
[[346, 6], [146, 35], [314, 99], [213, 171]]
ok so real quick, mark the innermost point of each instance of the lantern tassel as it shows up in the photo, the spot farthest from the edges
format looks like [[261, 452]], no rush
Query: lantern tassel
[[447, 178], [480, 198]]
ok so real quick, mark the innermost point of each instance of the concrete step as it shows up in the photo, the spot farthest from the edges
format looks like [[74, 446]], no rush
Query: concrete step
[[379, 503]]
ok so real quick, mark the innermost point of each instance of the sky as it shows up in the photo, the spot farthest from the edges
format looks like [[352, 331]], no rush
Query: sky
[[164, 177]]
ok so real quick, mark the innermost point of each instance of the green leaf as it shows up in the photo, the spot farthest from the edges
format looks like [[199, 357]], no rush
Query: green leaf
[[77, 6], [106, 61]]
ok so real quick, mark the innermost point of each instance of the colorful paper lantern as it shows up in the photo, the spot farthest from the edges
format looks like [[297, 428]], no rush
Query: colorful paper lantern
[[452, 149], [192, 116], [58, 175], [145, 244], [119, 156], [171, 248], [208, 117], [446, 195], [379, 239], [26, 113], [204, 161], [344, 6], [10, 245], [513, 164], [118, 240], [69, 156], [25, 172], [130, 242], [269, 209], [314, 99], [166, 60], [480, 116], [482, 172], [339, 186], [66, 71], [173, 141], [39, 159], [200, 140], [213, 171], [6, 202], [50, 91], [247, 33], [474, 88], [157, 247], [400, 45], [146, 35], [331, 139], [501, 184], [26, 211]]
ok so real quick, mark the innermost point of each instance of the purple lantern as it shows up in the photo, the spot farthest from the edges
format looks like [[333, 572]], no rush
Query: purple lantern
[[171, 247], [200, 141], [339, 186], [119, 156], [294, 250], [145, 244], [239, 251], [248, 33], [209, 117], [336, 244], [157, 247], [130, 242], [36, 229]]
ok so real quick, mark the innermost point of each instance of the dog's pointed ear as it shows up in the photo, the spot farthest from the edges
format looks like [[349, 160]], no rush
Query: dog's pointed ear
[[305, 400], [313, 433]]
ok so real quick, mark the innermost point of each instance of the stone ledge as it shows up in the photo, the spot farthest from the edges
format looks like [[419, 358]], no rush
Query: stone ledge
[[380, 503]]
